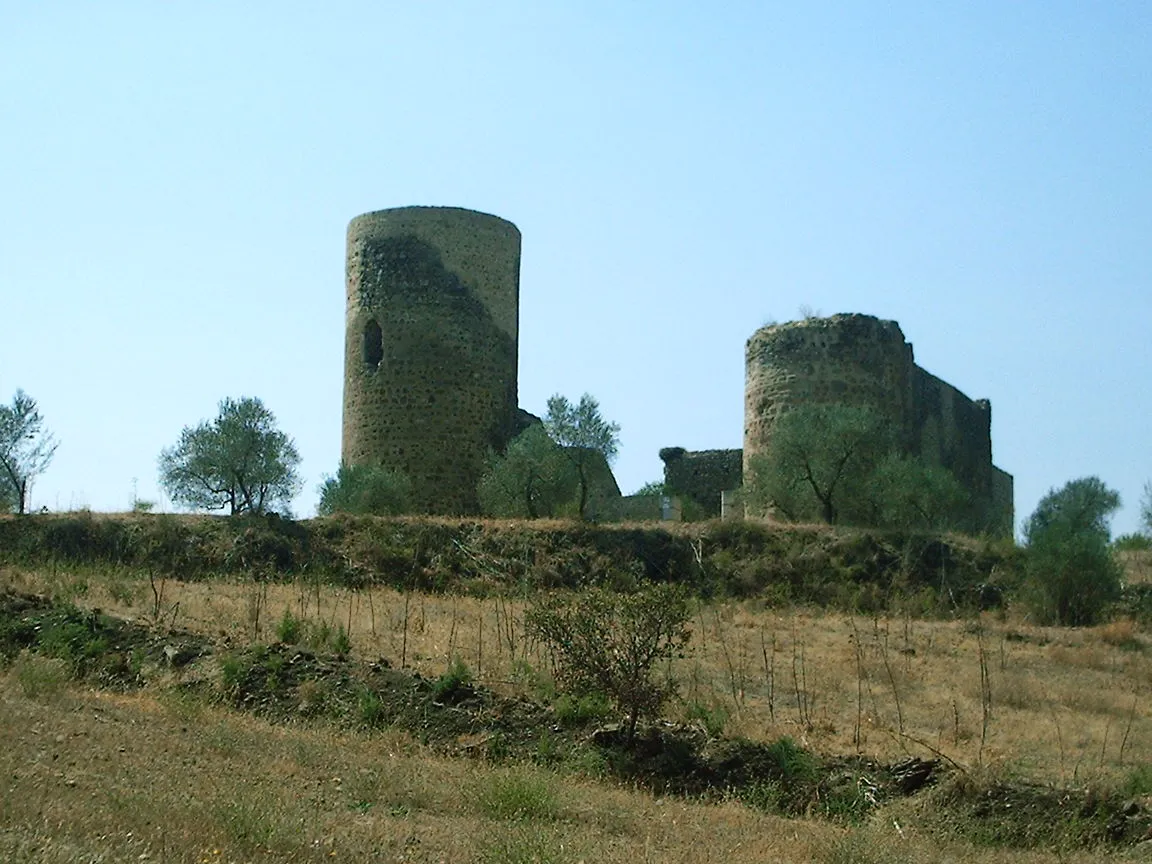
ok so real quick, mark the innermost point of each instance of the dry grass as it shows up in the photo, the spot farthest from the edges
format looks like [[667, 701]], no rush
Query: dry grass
[[1067, 706], [92, 776]]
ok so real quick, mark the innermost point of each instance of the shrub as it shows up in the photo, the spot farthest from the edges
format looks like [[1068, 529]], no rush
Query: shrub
[[609, 643], [1071, 572]]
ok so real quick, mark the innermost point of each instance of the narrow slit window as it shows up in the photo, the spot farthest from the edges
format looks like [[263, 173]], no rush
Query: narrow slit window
[[373, 345]]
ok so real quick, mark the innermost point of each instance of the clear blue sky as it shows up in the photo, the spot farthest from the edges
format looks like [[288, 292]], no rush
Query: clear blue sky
[[176, 179]]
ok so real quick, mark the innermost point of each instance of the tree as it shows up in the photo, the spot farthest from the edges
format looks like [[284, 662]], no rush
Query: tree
[[1071, 571], [609, 643], [365, 490], [905, 492], [26, 450], [533, 478], [582, 432], [819, 462], [239, 461], [653, 488]]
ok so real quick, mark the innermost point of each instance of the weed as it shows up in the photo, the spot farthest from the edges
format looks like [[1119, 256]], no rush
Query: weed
[[246, 823], [1138, 782], [318, 635], [849, 799], [517, 794], [861, 847], [288, 628], [341, 642], [713, 717], [764, 795], [610, 643], [40, 677], [313, 696], [122, 591], [525, 845], [276, 672], [576, 711], [369, 707], [232, 672], [454, 683], [535, 681], [73, 642], [1121, 633], [793, 761]]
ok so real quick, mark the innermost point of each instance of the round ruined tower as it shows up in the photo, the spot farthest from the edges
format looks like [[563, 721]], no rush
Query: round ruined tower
[[857, 359], [431, 347]]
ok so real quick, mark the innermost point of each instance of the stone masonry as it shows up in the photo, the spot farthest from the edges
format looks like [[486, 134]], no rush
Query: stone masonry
[[431, 347], [861, 359]]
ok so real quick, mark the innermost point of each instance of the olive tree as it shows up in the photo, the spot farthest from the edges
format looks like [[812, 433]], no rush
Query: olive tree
[[366, 490], [819, 463], [582, 432], [908, 493], [239, 462], [26, 450], [533, 478], [1071, 572]]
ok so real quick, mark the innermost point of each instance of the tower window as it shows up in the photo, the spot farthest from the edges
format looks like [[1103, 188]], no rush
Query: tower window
[[373, 345]]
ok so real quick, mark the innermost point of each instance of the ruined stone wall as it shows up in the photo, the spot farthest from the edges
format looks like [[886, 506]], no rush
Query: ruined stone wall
[[431, 347], [702, 474], [860, 359]]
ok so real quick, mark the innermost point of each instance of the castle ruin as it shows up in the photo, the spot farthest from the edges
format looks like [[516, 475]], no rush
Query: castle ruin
[[430, 375], [855, 359]]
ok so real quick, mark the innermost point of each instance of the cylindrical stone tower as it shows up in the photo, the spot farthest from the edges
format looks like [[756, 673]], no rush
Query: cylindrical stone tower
[[431, 347], [857, 359]]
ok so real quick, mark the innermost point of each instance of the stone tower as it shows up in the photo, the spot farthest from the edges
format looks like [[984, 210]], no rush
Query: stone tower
[[431, 347], [864, 360]]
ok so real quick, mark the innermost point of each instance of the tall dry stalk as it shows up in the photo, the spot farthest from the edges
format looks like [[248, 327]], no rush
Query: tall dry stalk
[[769, 673], [985, 691], [888, 670]]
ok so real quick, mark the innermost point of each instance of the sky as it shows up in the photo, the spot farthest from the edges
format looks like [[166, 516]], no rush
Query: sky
[[176, 180]]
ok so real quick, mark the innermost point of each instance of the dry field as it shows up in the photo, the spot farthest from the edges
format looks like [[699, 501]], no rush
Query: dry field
[[92, 776]]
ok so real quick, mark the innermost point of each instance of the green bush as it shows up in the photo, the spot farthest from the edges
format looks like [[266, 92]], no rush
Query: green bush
[[609, 643], [1072, 575]]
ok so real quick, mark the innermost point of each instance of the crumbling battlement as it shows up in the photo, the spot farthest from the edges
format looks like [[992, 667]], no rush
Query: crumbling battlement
[[860, 359]]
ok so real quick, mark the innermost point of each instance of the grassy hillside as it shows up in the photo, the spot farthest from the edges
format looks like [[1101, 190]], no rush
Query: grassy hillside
[[809, 564], [196, 689]]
